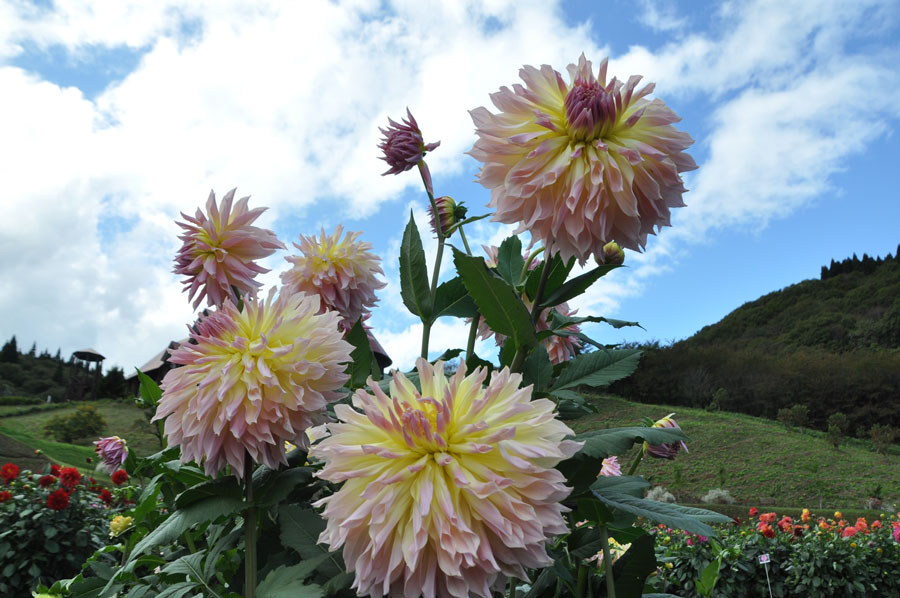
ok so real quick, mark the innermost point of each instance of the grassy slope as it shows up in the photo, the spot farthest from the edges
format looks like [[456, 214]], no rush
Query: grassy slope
[[762, 461]]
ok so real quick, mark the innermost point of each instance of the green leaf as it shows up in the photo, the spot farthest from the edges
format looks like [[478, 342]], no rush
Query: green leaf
[[464, 222], [281, 484], [338, 583], [150, 391], [576, 286], [510, 262], [600, 444], [634, 485], [361, 357], [558, 320], [287, 582], [206, 509], [414, 288], [543, 583], [559, 271], [498, 302], [708, 578], [452, 299], [448, 355], [631, 570], [188, 565], [598, 368], [300, 529], [585, 542], [228, 486], [537, 369], [656, 511], [179, 590]]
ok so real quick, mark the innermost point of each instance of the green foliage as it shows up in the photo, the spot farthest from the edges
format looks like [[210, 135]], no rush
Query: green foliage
[[414, 287], [882, 437], [112, 385], [20, 401], [837, 428], [10, 351], [86, 422]]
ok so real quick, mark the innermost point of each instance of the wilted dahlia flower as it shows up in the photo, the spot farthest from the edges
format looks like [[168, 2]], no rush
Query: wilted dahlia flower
[[219, 250], [341, 272], [402, 145], [254, 379], [666, 450], [448, 490], [112, 450], [583, 163], [610, 467]]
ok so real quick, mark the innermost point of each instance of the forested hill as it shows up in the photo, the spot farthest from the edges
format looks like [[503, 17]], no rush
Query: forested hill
[[831, 344]]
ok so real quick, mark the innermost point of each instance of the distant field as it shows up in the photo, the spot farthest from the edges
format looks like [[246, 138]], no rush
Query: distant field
[[760, 461]]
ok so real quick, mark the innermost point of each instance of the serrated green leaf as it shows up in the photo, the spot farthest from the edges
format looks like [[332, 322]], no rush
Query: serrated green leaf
[[414, 288], [598, 368], [206, 509], [557, 320], [149, 390], [664, 513], [287, 582], [452, 299], [228, 486], [572, 288], [543, 582], [601, 444], [448, 355], [361, 357], [300, 529], [179, 590], [559, 271], [278, 486], [510, 262], [469, 220], [497, 301], [537, 369], [338, 583], [188, 565]]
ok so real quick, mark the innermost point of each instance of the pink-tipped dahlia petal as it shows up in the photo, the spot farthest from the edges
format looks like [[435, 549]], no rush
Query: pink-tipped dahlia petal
[[583, 163], [666, 450], [220, 249], [113, 451], [341, 271], [403, 146], [610, 467], [252, 379], [446, 491]]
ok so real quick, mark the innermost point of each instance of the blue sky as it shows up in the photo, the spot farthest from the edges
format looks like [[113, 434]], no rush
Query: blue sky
[[117, 117]]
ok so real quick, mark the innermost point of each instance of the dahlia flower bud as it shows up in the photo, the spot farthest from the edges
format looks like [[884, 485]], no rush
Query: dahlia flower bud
[[578, 164], [119, 525], [402, 145], [112, 450], [342, 272], [446, 491], [251, 380], [220, 250], [611, 254], [666, 450], [449, 213]]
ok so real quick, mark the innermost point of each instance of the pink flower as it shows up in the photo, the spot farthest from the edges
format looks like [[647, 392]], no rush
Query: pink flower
[[252, 380], [611, 467], [667, 450], [448, 490], [219, 250], [582, 163], [340, 271], [402, 145], [849, 531], [112, 450]]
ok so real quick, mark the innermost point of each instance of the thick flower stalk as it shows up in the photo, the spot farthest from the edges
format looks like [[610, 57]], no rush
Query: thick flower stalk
[[342, 272], [446, 491], [220, 249], [252, 380], [112, 450], [582, 163], [402, 146], [666, 450]]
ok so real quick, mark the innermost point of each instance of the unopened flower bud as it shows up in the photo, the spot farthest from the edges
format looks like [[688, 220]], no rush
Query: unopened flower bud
[[666, 450], [449, 213], [611, 254], [403, 145]]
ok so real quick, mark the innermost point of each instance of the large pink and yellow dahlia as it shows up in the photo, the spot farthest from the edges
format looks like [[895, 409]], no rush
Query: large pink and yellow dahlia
[[446, 491], [252, 379], [341, 271], [219, 250], [582, 163]]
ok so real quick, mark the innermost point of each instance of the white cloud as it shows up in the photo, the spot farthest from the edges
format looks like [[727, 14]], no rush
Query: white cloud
[[660, 15]]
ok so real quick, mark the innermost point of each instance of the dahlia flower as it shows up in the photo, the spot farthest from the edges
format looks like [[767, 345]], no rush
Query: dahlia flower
[[119, 524], [113, 450], [9, 472], [667, 450], [253, 379], [402, 145], [341, 271], [449, 213], [5, 495], [58, 500], [610, 467], [219, 250], [119, 477], [582, 163], [446, 491]]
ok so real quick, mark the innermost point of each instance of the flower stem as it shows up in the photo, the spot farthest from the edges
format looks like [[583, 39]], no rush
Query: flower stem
[[462, 235], [513, 583], [607, 563], [636, 462], [249, 530], [582, 580], [473, 333], [426, 178], [542, 285]]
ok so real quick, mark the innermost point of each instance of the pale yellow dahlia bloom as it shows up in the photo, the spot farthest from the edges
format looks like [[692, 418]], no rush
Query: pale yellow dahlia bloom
[[582, 163], [220, 248], [341, 271], [446, 491], [252, 379]]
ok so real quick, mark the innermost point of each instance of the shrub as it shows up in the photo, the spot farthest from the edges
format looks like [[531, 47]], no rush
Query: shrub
[[19, 401], [86, 422], [660, 494], [882, 437], [784, 417], [837, 428], [718, 496], [799, 416]]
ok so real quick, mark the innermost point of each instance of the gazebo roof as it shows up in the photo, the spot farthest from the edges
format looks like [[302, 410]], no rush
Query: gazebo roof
[[88, 355]]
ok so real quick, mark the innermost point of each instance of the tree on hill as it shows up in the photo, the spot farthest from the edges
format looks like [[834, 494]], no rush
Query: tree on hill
[[32, 352], [10, 351]]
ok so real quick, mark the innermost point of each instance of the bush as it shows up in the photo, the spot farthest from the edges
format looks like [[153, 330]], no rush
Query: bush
[[19, 401], [719, 496], [660, 494], [86, 422], [882, 437], [837, 428], [800, 416]]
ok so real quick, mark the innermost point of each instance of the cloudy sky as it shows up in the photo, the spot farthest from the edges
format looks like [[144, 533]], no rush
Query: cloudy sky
[[116, 115]]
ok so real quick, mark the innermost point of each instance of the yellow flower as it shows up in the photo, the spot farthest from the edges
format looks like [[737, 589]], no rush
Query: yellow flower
[[852, 544], [669, 565], [837, 515], [119, 524]]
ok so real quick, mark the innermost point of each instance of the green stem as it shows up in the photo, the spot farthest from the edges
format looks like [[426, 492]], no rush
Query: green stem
[[636, 462], [607, 563], [518, 359], [582, 580], [528, 261], [473, 333], [249, 530], [426, 326], [513, 582], [190, 542], [542, 284], [462, 235]]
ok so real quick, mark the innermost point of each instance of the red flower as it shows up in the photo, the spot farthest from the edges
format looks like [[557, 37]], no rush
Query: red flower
[[9, 472], [69, 477], [766, 530], [106, 496], [58, 500], [849, 531], [786, 524], [876, 524], [46, 481], [5, 495], [753, 511], [54, 470], [120, 477], [768, 517]]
